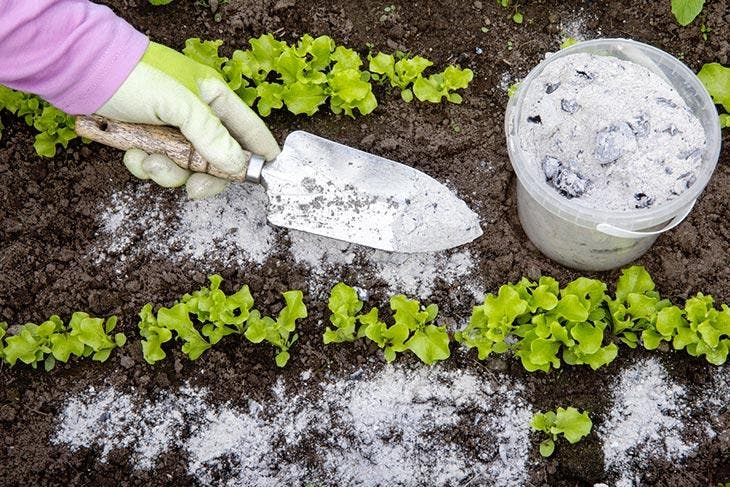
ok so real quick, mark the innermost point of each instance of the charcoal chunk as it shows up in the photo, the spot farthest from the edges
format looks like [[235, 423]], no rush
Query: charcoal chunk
[[551, 87], [584, 74], [690, 154], [568, 182], [534, 119], [671, 130], [614, 141], [570, 106], [640, 125], [684, 181], [643, 200], [666, 102]]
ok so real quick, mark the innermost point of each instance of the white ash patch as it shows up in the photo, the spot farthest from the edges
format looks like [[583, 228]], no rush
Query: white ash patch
[[505, 81], [394, 427], [416, 274], [230, 228], [411, 274], [646, 422], [400, 423], [577, 29]]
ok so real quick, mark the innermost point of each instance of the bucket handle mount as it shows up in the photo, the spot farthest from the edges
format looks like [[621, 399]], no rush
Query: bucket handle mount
[[615, 231]]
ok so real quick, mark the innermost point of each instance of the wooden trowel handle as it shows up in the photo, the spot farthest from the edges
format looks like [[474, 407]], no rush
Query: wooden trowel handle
[[153, 139]]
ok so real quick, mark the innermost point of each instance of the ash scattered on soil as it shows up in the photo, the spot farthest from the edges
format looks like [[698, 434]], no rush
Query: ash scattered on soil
[[390, 426], [650, 420]]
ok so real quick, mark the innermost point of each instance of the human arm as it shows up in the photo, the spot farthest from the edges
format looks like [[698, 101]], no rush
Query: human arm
[[84, 59]]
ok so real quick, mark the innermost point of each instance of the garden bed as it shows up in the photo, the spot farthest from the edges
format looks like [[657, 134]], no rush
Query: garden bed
[[78, 232]]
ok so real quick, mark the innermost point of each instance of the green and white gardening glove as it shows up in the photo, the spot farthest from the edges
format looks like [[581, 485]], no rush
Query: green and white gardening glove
[[167, 88]]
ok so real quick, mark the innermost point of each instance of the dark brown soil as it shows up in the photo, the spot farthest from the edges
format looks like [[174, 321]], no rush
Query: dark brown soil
[[49, 209]]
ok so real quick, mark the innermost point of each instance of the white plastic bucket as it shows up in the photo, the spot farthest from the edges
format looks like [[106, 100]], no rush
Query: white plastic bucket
[[595, 239]]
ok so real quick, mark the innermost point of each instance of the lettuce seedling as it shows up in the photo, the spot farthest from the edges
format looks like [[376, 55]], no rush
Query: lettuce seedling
[[52, 341], [570, 423], [153, 335], [302, 77], [413, 328], [705, 330], [539, 320], [221, 314], [345, 306], [492, 322], [217, 315], [635, 309], [716, 79], [54, 126], [279, 333], [685, 11]]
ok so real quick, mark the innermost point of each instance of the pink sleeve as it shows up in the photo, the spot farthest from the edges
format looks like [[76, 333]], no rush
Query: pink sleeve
[[73, 53]]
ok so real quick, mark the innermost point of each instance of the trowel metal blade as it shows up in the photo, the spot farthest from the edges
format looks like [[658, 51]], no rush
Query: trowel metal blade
[[329, 189]]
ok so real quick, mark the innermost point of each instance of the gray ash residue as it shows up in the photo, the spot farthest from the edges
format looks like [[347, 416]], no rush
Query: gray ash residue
[[610, 134]]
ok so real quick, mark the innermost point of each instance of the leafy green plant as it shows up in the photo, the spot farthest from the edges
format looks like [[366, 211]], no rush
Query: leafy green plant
[[52, 340], [539, 320], [345, 306], [517, 16], [413, 329], [635, 308], [716, 79], [705, 31], [218, 315], [54, 126], [568, 41], [303, 76], [406, 74], [572, 424], [685, 11], [704, 330], [699, 327], [160, 2], [279, 332]]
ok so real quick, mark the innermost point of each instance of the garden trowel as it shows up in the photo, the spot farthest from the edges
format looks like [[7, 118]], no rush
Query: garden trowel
[[322, 187]]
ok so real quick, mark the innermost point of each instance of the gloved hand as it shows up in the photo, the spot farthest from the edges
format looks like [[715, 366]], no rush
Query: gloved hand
[[168, 88]]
